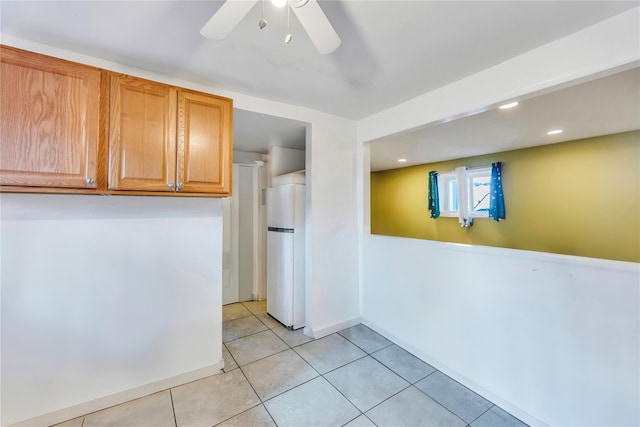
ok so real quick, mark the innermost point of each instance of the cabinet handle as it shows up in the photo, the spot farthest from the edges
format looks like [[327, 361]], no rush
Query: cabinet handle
[[90, 181], [180, 186], [170, 185]]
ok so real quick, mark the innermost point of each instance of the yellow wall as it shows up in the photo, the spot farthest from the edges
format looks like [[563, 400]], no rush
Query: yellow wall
[[577, 198]]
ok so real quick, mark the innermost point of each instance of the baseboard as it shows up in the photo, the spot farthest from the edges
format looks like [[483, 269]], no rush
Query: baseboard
[[323, 332], [120, 397], [507, 406]]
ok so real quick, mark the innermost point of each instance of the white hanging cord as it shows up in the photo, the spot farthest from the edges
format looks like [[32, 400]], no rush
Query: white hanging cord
[[288, 37], [263, 22]]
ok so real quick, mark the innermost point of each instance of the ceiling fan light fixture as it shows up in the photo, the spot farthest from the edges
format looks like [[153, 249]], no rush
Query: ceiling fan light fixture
[[311, 16], [298, 3], [279, 3]]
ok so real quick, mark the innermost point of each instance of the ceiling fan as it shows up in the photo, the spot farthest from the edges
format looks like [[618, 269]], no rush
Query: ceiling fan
[[309, 13]]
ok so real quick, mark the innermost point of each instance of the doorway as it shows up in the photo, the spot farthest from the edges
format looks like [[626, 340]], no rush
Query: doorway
[[244, 236]]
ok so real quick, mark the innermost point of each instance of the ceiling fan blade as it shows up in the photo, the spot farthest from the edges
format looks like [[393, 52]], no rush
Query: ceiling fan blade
[[226, 18], [318, 27]]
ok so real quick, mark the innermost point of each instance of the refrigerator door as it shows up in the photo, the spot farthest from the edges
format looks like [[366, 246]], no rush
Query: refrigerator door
[[280, 275]]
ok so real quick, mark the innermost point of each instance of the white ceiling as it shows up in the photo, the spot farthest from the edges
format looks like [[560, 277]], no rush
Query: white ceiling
[[255, 132], [391, 50], [603, 106]]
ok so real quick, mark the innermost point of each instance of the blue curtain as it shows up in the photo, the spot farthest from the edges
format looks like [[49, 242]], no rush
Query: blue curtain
[[434, 201], [496, 203]]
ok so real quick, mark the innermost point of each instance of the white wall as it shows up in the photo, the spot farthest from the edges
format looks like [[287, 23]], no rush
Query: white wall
[[332, 267], [550, 337], [332, 160], [103, 295], [248, 158], [553, 339], [332, 233], [285, 160]]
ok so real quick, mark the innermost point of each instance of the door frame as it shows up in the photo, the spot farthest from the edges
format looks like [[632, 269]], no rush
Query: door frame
[[231, 233]]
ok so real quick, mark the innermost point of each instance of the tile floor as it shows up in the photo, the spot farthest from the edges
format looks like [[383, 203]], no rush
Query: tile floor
[[277, 377]]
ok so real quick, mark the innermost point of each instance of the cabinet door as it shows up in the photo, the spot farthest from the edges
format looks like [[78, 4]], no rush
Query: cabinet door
[[204, 143], [142, 135], [49, 124]]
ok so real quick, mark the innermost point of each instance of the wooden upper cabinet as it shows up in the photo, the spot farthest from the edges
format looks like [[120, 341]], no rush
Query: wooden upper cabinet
[[49, 121], [142, 135], [70, 128], [204, 143], [163, 138]]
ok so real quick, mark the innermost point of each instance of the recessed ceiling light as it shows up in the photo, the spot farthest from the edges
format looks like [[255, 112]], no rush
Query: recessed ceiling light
[[509, 105], [402, 160], [554, 132]]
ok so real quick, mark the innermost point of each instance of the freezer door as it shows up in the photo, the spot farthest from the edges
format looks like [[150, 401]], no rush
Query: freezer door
[[280, 275], [280, 206]]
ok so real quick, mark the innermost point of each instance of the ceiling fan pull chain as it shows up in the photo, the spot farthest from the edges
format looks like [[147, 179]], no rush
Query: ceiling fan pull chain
[[288, 37], [263, 22]]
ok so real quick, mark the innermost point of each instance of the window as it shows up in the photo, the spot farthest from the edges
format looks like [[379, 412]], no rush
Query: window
[[467, 193], [479, 196], [448, 193], [477, 185]]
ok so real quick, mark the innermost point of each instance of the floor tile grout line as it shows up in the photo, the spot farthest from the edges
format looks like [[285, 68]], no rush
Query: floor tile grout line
[[346, 364], [488, 409], [413, 384], [173, 409], [323, 375], [255, 333], [235, 318], [342, 394], [262, 358], [449, 410], [373, 332], [270, 416], [288, 390], [252, 388], [234, 359], [407, 380], [429, 397], [464, 386], [367, 353], [353, 419], [467, 388], [393, 395], [383, 365], [236, 415], [248, 335], [319, 375]]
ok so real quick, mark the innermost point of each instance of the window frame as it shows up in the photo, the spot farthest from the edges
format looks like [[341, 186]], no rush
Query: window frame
[[445, 194], [471, 173]]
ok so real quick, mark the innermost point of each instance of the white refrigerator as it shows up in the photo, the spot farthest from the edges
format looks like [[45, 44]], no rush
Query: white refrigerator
[[285, 250]]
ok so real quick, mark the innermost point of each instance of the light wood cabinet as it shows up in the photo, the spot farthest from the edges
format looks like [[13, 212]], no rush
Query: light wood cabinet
[[70, 128], [168, 139], [142, 135], [49, 121], [204, 142]]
